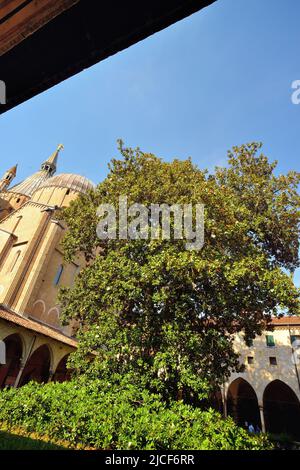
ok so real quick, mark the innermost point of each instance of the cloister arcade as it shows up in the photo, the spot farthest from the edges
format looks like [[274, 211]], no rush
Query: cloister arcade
[[276, 409], [269, 401], [32, 360]]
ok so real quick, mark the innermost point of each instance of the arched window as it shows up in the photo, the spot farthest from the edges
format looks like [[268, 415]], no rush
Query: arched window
[[58, 274], [14, 261]]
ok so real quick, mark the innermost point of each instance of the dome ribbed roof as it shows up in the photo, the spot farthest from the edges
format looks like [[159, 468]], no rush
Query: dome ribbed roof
[[77, 183], [30, 184]]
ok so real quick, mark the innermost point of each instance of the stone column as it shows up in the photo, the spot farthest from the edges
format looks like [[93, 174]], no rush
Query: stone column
[[17, 381], [224, 400], [51, 373], [24, 362], [225, 414], [262, 417]]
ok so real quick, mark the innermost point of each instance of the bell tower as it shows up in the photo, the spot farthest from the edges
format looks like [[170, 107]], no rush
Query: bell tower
[[7, 178], [50, 164]]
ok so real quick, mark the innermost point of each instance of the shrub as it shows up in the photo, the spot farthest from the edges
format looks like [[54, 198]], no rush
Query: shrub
[[103, 416]]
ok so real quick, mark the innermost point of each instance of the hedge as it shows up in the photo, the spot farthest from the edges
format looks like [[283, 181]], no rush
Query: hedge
[[100, 415]]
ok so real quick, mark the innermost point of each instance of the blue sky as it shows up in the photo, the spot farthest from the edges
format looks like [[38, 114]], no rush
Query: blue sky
[[219, 78]]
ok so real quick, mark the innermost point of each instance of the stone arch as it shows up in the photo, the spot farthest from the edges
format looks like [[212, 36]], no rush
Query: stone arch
[[23, 342], [242, 403], [281, 409], [62, 373], [14, 352], [38, 366]]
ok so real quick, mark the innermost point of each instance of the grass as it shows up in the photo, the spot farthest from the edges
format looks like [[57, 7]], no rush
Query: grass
[[10, 441]]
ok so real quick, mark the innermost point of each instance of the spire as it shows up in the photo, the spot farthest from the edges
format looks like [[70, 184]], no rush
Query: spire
[[8, 176], [33, 182], [13, 170], [50, 164]]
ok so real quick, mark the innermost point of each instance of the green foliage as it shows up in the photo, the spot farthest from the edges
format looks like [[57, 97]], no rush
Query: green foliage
[[104, 415], [166, 316]]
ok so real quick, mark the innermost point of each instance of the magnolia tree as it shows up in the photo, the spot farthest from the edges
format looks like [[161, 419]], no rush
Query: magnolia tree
[[161, 314]]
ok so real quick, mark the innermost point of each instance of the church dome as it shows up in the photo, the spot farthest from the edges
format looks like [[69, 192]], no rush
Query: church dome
[[77, 183], [61, 190]]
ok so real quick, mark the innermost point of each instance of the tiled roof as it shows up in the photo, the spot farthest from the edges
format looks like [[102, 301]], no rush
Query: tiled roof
[[36, 327], [294, 320]]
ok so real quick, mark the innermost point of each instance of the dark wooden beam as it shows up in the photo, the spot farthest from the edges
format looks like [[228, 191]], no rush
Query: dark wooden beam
[[21, 18], [81, 36]]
